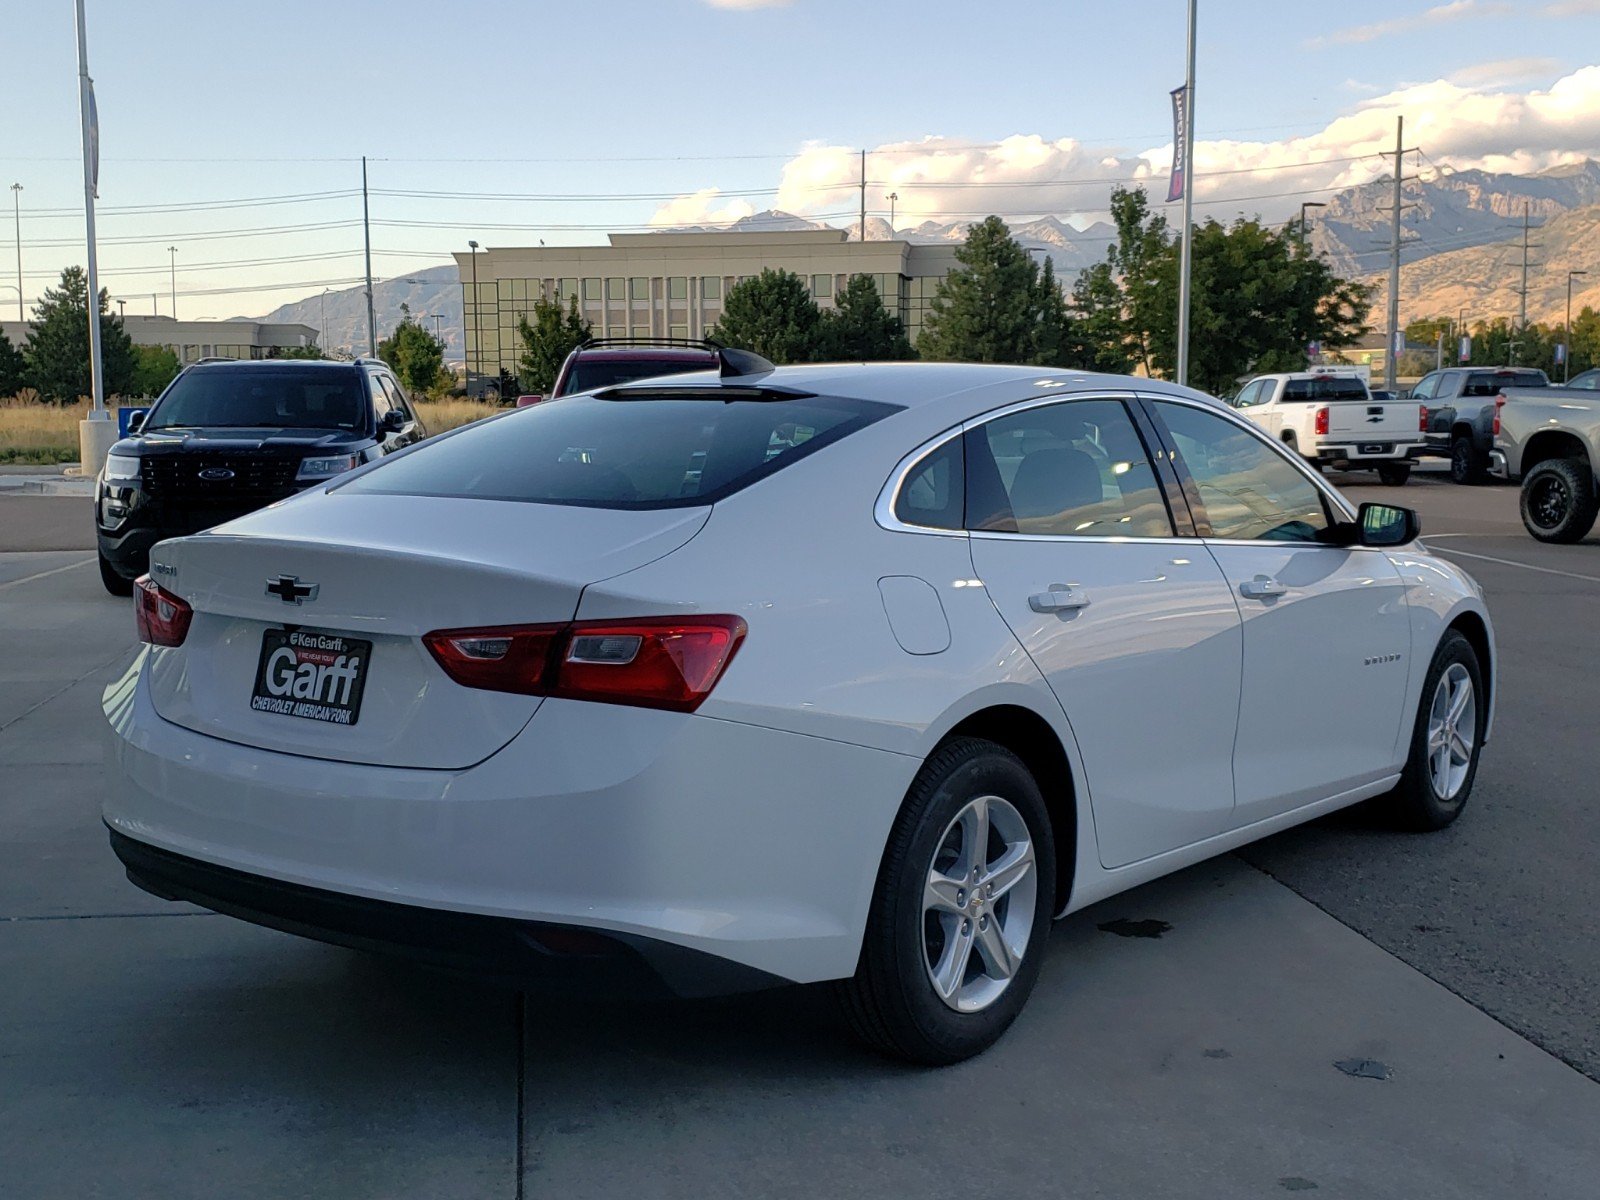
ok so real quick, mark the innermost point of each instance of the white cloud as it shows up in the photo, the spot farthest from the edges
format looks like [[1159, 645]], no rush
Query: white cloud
[[1439, 14], [1506, 70], [946, 179], [701, 208]]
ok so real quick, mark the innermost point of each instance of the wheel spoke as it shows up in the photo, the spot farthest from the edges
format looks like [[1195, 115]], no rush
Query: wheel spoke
[[944, 894], [975, 853], [1441, 770], [952, 968], [1010, 869], [996, 953], [1459, 750], [1459, 699]]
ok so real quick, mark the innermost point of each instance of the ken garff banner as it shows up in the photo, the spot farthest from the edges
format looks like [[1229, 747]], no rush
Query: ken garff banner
[[1180, 142]]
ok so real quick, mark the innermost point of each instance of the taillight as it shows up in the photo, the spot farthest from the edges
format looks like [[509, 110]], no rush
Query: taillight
[[1422, 418], [1322, 420], [652, 662], [162, 618], [1499, 403]]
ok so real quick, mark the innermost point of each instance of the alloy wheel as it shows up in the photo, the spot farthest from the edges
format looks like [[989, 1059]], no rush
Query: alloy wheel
[[1452, 731], [1549, 501], [978, 905]]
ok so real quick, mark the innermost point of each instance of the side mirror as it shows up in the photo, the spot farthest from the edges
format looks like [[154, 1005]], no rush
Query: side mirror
[[1387, 525], [393, 421], [528, 401], [136, 422]]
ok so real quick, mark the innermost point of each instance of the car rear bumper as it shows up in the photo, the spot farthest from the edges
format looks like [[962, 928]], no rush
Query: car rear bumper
[[1497, 464], [739, 843], [1355, 452]]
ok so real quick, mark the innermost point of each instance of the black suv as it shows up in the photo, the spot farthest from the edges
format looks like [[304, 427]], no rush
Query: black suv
[[226, 438]]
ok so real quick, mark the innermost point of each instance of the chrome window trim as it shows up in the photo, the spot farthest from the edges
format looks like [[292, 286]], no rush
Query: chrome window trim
[[1289, 456], [889, 496]]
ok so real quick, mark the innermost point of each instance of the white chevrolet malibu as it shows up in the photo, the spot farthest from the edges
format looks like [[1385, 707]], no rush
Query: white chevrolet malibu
[[852, 673]]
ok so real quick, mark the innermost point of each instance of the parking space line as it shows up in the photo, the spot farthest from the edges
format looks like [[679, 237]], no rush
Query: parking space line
[[44, 574], [1510, 562]]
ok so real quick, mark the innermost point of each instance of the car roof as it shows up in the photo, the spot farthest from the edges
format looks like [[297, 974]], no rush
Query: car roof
[[974, 386], [646, 353]]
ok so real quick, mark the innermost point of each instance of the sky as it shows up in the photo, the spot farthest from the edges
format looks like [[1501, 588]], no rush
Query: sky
[[235, 132]]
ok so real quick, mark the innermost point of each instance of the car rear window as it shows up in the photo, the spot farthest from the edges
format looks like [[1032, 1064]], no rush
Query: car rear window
[[588, 375], [274, 397], [656, 452], [1327, 387], [1490, 383]]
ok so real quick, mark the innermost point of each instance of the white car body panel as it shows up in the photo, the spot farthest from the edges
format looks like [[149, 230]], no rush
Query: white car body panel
[[753, 829]]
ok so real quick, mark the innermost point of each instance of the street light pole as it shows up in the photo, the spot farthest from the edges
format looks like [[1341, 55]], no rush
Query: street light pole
[[1186, 255], [91, 173], [891, 198], [1303, 206], [477, 335], [16, 216], [1566, 332], [172, 251], [322, 331], [122, 310]]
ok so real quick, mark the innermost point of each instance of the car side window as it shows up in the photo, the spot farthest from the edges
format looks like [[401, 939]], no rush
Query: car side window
[[397, 398], [1250, 491], [1426, 387], [1078, 468], [933, 493], [1589, 381], [1250, 395], [380, 399]]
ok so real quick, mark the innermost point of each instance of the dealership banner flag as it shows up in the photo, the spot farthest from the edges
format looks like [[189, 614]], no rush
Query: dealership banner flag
[[1180, 142]]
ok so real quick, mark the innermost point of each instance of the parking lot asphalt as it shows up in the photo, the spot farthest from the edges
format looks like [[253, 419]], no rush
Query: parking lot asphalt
[[152, 1049]]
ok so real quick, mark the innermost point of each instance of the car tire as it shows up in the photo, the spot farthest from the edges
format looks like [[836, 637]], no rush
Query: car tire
[[1559, 503], [1394, 474], [1466, 464], [893, 1001], [1429, 795], [114, 583]]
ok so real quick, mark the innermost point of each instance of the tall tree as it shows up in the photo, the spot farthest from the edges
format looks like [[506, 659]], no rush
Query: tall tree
[[547, 340], [1100, 341], [1054, 336], [413, 353], [13, 375], [57, 354], [987, 309], [1143, 260], [772, 314], [859, 328], [153, 368]]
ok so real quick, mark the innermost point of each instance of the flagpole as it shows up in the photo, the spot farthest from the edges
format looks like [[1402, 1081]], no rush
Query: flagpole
[[91, 157], [1184, 261]]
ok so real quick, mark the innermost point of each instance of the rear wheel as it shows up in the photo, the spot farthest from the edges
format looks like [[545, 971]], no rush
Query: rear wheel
[[963, 903], [114, 583], [1466, 465], [1558, 500], [1445, 741], [1394, 474]]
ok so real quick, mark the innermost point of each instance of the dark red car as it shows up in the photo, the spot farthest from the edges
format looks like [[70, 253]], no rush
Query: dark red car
[[606, 362]]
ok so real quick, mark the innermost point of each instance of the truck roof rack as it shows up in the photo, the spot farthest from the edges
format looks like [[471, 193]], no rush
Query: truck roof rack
[[602, 343]]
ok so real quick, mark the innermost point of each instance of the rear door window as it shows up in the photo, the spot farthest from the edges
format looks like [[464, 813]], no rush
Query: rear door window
[[634, 452], [1323, 388], [933, 493]]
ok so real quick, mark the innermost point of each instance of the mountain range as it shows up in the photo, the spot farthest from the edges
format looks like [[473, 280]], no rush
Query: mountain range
[[1461, 249]]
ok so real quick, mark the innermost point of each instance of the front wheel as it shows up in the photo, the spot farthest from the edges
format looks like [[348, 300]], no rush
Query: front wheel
[[1466, 464], [114, 583], [1558, 500], [956, 932], [1394, 474], [1445, 741]]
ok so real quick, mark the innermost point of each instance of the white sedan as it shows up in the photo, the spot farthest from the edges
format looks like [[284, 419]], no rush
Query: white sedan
[[853, 673]]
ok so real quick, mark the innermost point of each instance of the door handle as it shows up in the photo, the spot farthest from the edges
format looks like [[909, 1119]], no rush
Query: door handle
[[1262, 587], [1058, 599]]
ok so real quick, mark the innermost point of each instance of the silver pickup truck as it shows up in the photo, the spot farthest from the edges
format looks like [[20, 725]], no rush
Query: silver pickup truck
[[1549, 439]]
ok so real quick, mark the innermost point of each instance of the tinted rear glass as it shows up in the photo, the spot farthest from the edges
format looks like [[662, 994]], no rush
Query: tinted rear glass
[[589, 375], [280, 397], [1328, 387], [635, 453], [1486, 383]]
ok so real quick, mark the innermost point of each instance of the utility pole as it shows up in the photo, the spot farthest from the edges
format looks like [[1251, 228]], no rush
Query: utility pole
[[366, 232], [1305, 205], [863, 195], [1394, 260], [1566, 331], [172, 251], [1522, 313], [322, 331], [16, 215], [1186, 254]]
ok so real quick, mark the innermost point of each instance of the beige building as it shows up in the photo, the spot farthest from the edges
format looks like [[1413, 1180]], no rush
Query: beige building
[[194, 340], [673, 284]]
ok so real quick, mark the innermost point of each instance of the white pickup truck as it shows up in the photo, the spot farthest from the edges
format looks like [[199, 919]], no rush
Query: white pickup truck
[[1332, 420]]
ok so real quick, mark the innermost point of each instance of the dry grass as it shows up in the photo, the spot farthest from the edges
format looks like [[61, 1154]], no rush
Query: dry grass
[[32, 432], [440, 415]]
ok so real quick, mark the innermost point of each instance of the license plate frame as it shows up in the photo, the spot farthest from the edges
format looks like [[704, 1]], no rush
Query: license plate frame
[[329, 693], [1375, 448]]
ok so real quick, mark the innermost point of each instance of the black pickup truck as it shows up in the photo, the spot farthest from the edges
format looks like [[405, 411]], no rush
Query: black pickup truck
[[227, 438], [1460, 402]]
